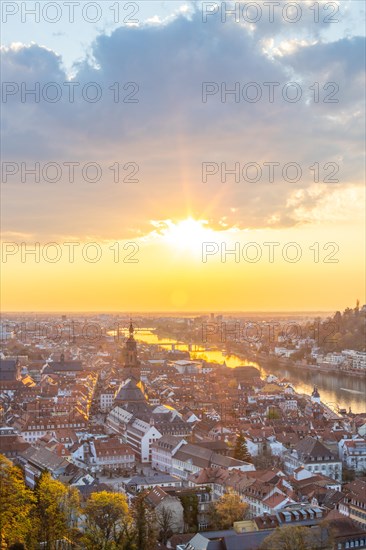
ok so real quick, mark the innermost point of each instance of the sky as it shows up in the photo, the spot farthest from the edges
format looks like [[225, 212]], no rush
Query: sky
[[177, 157]]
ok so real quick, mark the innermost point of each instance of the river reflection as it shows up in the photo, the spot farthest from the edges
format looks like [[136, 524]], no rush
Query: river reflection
[[342, 390]]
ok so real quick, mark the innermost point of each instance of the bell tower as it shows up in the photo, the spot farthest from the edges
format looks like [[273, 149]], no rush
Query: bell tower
[[131, 363]]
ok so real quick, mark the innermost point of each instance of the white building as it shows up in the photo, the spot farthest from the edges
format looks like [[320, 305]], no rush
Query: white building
[[110, 454], [335, 358], [106, 399], [288, 405], [352, 452], [315, 457], [136, 432], [284, 352], [359, 360], [163, 450]]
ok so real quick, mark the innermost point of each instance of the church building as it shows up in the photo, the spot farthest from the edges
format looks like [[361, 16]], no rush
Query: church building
[[133, 417]]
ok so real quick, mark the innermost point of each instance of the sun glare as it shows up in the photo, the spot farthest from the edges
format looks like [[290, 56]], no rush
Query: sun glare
[[188, 234]]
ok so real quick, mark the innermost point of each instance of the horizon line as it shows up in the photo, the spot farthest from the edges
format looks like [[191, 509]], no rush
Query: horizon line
[[198, 311]]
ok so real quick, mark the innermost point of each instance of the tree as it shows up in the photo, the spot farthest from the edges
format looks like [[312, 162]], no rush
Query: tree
[[190, 511], [227, 509], [273, 414], [241, 450], [348, 474], [107, 521], [16, 505], [144, 524], [265, 459], [57, 509], [297, 538], [166, 523]]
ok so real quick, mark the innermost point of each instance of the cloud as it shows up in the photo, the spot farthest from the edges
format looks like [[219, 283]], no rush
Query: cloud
[[170, 132]]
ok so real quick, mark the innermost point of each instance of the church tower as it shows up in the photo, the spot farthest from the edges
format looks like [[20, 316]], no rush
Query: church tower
[[131, 366], [315, 397]]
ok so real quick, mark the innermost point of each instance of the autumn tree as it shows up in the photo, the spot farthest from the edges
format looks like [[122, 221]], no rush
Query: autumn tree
[[16, 505], [297, 538], [241, 450], [227, 509], [57, 509], [107, 521], [143, 524]]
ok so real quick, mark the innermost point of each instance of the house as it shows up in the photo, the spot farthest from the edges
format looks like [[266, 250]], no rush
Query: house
[[345, 534], [110, 454], [140, 483], [354, 503], [65, 368], [212, 479], [106, 399], [11, 444], [35, 427], [162, 451], [352, 452], [264, 497], [36, 460], [189, 459], [167, 506], [313, 456]]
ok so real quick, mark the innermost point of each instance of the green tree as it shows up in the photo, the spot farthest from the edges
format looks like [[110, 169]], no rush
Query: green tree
[[144, 524], [273, 414], [16, 505], [227, 509], [107, 521], [241, 450], [56, 513], [190, 511]]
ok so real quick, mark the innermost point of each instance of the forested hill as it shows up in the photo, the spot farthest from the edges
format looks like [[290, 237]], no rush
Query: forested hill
[[348, 330]]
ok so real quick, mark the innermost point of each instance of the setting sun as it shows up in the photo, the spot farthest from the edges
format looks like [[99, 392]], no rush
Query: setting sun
[[187, 235]]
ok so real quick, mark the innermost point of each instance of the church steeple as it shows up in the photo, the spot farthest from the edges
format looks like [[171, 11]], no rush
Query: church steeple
[[315, 397], [131, 362]]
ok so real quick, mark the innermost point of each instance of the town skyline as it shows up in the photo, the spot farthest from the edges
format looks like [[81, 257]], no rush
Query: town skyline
[[182, 291]]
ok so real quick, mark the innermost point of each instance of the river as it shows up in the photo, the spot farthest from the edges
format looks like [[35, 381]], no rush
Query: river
[[334, 389]]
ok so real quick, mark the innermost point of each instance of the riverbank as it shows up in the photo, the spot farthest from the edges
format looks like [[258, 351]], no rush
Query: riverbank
[[335, 388], [269, 361]]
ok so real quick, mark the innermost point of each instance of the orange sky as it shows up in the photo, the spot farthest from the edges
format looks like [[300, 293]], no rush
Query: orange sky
[[159, 218], [166, 271]]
